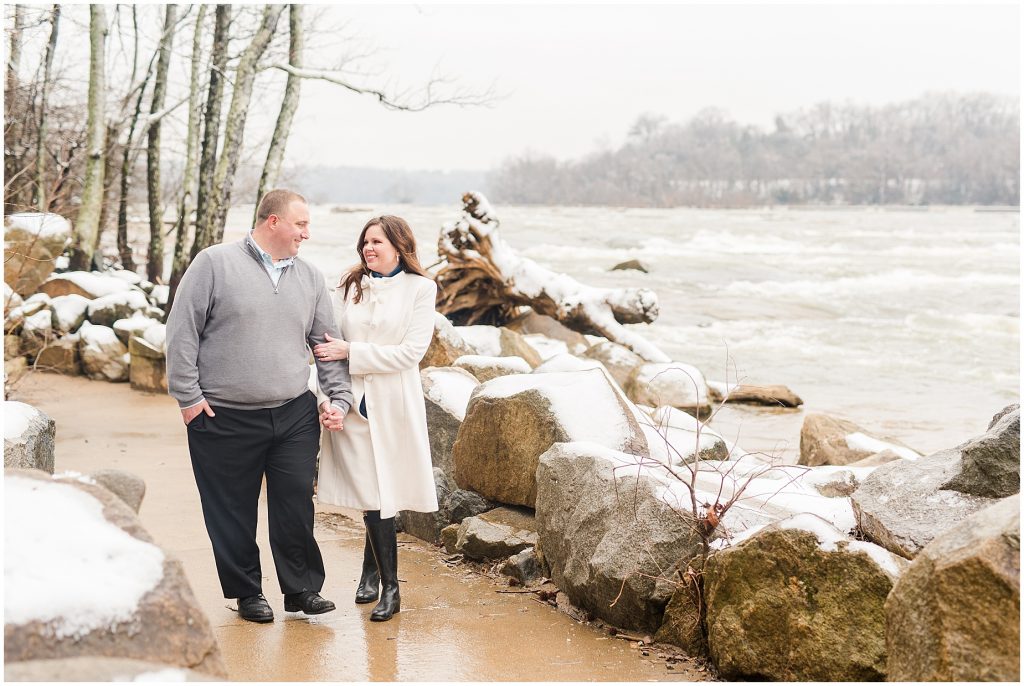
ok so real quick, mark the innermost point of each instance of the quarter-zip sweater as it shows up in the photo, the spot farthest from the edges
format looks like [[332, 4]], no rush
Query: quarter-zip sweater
[[237, 340]]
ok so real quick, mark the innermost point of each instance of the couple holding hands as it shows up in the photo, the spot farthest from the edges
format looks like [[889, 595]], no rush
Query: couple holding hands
[[243, 321]]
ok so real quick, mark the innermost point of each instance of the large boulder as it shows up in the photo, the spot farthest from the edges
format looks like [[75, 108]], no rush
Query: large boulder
[[610, 528], [532, 323], [772, 395], [829, 440], [135, 325], [61, 356], [799, 601], [446, 392], [954, 615], [565, 362], [148, 368], [621, 362], [107, 309], [36, 333], [903, 505], [990, 463], [670, 383], [676, 437], [32, 242], [12, 346], [512, 420], [91, 668], [104, 357], [89, 285], [453, 506], [131, 489], [29, 435], [11, 299], [486, 368], [69, 311], [495, 534], [110, 590], [446, 345]]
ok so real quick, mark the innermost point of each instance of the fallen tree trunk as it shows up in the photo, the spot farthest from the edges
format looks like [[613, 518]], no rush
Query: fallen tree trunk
[[484, 281]]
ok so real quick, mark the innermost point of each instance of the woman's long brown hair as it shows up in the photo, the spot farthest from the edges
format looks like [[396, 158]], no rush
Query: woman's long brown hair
[[400, 236]]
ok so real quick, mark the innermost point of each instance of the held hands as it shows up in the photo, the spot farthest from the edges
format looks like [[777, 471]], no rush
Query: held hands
[[190, 413], [333, 349], [331, 417]]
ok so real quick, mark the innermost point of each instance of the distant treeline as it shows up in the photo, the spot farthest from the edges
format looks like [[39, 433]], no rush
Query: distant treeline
[[322, 184], [937, 149]]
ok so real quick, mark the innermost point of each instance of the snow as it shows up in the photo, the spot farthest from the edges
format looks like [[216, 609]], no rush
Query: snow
[[59, 547], [135, 299], [11, 299], [451, 390], [600, 419], [674, 383], [672, 435], [72, 475], [17, 417], [95, 283], [445, 330], [546, 347], [68, 309], [157, 336], [46, 225], [40, 322], [41, 298], [125, 275], [136, 324], [96, 337], [564, 362], [484, 340], [159, 675], [160, 294], [859, 441], [828, 536], [514, 365], [483, 207], [890, 563]]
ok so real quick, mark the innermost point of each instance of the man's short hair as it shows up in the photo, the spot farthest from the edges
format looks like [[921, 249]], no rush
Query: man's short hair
[[275, 202]]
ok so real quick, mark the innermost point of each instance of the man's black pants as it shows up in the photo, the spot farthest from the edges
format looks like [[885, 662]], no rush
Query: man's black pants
[[230, 454]]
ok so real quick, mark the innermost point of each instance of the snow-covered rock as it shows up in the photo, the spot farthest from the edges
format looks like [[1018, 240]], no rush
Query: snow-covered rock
[[532, 324], [104, 357], [493, 341], [826, 440], [446, 345], [672, 383], [546, 347], [674, 437], [90, 285], [107, 309], [32, 242], [69, 311], [159, 294], [28, 437], [486, 368], [446, 392], [564, 362], [135, 325], [61, 356], [36, 332], [620, 361], [11, 299], [512, 420]]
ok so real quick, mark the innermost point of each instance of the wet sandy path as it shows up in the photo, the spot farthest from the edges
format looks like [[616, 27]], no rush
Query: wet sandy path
[[453, 626]]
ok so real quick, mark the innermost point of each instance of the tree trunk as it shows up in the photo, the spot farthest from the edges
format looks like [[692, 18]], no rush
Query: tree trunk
[[485, 281], [86, 227], [211, 130], [42, 199], [179, 262], [290, 103], [155, 267], [234, 128], [124, 248], [12, 118]]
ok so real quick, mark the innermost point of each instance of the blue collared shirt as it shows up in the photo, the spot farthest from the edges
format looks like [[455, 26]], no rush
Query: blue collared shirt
[[275, 269]]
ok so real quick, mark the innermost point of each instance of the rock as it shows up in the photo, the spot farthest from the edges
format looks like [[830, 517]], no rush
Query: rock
[[11, 299], [104, 357], [672, 383], [14, 369], [32, 241], [131, 489], [799, 601], [954, 615], [635, 265], [148, 369], [68, 312], [487, 368], [674, 437], [450, 537], [546, 347], [513, 344], [159, 294], [454, 505], [620, 361], [833, 441], [15, 319], [92, 668], [608, 527], [512, 420], [12, 347], [446, 346], [840, 483], [564, 362], [106, 310], [990, 463], [117, 593], [36, 333], [492, 341], [90, 285], [681, 623], [134, 325], [61, 356], [524, 567], [496, 534], [879, 458], [903, 505], [1002, 413], [28, 437], [530, 322], [772, 395], [446, 392]]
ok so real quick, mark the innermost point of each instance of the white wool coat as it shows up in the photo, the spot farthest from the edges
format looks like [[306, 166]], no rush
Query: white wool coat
[[383, 462]]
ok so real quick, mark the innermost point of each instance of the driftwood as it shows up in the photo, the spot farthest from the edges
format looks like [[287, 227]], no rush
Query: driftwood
[[485, 282]]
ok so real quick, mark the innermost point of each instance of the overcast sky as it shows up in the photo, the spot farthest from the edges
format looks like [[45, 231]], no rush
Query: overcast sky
[[575, 77]]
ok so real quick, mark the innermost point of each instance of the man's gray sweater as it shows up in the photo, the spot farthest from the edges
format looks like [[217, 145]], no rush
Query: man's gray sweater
[[238, 341]]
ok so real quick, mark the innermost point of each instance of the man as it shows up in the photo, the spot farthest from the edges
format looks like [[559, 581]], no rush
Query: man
[[244, 318]]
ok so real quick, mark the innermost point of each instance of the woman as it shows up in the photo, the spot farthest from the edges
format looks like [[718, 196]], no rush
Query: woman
[[380, 463]]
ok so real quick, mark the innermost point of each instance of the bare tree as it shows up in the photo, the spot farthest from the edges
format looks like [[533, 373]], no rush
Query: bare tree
[[41, 200], [86, 228], [154, 269], [12, 132]]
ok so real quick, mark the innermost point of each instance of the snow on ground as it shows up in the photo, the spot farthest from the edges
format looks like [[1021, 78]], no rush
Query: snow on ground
[[96, 283], [484, 340], [451, 390], [66, 565], [17, 417], [44, 225], [859, 441], [599, 420]]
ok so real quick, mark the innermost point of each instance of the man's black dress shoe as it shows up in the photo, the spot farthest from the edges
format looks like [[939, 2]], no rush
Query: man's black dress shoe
[[255, 608], [310, 602]]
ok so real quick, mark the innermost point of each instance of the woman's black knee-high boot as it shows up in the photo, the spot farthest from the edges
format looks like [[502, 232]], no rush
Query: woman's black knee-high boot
[[369, 579], [384, 541]]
